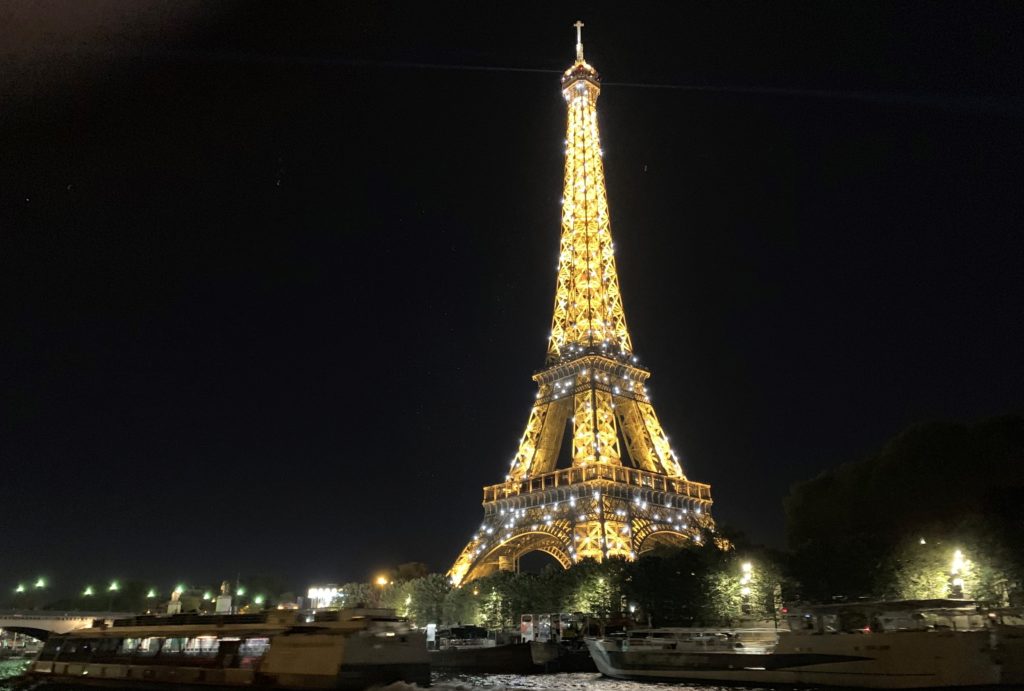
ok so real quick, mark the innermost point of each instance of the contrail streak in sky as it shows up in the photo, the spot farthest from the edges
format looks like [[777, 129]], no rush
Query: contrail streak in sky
[[947, 101]]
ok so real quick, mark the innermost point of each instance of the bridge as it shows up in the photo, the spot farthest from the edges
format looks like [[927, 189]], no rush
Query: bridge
[[40, 623]]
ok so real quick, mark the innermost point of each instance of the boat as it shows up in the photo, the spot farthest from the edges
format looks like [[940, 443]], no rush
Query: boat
[[894, 645], [346, 649], [471, 650], [474, 650]]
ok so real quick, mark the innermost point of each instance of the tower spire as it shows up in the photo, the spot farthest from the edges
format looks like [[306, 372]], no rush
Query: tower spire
[[579, 40]]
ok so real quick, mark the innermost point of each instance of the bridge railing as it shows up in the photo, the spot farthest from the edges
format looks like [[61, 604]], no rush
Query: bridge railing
[[42, 614]]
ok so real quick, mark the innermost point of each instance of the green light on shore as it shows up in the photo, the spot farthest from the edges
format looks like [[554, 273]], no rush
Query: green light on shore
[[241, 591], [151, 593], [114, 587], [179, 589], [258, 599], [20, 588], [88, 591], [41, 582]]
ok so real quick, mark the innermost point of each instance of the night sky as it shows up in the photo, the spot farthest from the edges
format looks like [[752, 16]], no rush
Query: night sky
[[275, 277]]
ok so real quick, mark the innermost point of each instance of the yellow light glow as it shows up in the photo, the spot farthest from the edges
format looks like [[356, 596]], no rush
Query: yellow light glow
[[959, 563], [592, 382]]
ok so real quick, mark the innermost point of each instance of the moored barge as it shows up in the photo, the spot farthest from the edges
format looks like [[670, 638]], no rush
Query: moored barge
[[347, 649]]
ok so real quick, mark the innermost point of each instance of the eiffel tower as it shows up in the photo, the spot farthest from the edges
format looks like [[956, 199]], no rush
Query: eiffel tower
[[598, 507]]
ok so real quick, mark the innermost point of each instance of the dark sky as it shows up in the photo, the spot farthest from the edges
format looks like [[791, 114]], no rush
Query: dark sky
[[275, 276]]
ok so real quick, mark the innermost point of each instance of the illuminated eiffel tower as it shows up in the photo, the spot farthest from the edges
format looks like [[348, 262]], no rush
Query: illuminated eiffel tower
[[598, 507]]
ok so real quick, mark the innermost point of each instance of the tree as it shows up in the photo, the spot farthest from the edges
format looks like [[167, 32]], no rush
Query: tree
[[461, 605], [428, 595], [931, 480], [357, 595]]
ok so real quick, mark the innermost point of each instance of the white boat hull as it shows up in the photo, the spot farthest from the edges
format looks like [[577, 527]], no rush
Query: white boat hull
[[904, 660]]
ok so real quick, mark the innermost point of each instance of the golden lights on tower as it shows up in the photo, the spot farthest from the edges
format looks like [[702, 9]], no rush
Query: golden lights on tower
[[599, 507]]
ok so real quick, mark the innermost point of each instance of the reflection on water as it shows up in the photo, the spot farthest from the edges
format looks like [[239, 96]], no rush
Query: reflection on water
[[587, 681], [581, 681], [11, 668]]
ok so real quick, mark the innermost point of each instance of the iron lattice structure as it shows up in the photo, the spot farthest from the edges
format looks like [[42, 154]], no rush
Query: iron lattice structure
[[599, 507]]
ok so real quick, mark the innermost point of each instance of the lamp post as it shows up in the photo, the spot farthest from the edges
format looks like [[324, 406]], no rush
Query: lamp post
[[111, 593], [382, 582], [748, 573], [956, 574]]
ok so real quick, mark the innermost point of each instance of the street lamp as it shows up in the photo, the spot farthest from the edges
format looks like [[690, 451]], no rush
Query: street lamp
[[748, 573], [258, 600], [40, 582], [111, 592], [151, 594], [956, 574], [88, 591], [20, 588], [381, 581]]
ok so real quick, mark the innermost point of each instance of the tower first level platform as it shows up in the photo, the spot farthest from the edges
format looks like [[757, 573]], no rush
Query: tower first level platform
[[598, 511], [599, 507]]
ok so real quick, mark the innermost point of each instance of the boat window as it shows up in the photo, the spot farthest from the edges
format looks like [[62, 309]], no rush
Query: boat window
[[148, 647], [202, 646], [108, 645], [51, 648], [173, 646], [128, 646], [251, 650], [76, 649], [106, 649]]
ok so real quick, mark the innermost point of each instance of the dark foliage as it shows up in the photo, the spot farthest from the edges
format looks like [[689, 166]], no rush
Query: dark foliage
[[937, 480]]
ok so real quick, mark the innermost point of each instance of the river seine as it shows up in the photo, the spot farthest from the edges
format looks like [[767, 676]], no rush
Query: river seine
[[490, 682], [586, 681]]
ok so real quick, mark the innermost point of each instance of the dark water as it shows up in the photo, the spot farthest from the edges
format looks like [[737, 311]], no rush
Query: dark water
[[491, 682], [10, 668], [580, 681], [586, 681]]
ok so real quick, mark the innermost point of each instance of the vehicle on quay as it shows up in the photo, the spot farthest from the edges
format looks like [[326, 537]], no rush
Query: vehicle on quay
[[893, 645], [346, 649]]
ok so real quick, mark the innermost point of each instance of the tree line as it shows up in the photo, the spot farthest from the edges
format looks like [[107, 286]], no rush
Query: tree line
[[938, 511]]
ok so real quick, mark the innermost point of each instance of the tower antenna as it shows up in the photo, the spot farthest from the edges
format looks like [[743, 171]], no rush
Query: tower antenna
[[579, 40]]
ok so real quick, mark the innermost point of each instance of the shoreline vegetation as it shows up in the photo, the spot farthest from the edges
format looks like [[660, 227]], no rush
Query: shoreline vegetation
[[937, 512]]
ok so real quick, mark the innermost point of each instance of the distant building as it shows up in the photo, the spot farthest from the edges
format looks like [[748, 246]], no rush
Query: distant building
[[322, 596]]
